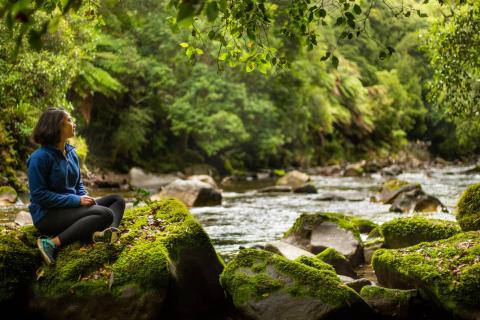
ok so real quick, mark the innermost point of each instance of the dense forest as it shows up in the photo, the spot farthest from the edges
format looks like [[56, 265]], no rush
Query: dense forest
[[144, 94]]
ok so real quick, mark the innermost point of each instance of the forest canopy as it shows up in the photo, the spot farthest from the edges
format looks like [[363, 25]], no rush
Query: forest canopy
[[301, 83]]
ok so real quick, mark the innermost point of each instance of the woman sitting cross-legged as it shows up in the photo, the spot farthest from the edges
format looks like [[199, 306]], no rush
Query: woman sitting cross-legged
[[59, 204]]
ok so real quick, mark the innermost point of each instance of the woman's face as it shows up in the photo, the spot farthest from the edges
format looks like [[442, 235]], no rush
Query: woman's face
[[68, 127]]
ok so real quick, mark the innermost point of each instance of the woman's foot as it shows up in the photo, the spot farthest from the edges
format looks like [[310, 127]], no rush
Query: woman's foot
[[109, 235], [47, 249]]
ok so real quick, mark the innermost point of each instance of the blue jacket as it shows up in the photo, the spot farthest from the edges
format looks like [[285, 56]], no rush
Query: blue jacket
[[54, 180]]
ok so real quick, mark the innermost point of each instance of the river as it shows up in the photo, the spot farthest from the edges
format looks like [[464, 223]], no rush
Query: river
[[247, 218]]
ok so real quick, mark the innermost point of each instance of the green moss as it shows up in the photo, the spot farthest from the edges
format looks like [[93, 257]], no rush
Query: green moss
[[394, 184], [331, 256], [18, 262], [7, 189], [375, 293], [307, 221], [145, 263], [404, 232], [363, 225], [74, 263], [315, 263], [447, 270], [292, 277], [468, 208]]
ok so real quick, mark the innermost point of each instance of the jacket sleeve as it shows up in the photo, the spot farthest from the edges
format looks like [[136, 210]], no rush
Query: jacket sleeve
[[79, 187], [37, 182]]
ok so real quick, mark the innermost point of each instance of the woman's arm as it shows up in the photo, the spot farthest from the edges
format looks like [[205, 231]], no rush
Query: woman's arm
[[37, 182]]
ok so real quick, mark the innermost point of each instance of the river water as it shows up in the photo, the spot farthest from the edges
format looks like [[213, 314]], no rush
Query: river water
[[247, 218]]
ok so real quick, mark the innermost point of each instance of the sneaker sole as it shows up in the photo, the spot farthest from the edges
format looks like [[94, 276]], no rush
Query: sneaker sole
[[108, 236], [44, 256]]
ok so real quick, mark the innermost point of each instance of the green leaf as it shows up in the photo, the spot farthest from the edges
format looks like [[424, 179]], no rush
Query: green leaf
[[357, 9], [322, 13], [250, 66], [185, 14], [184, 45], [199, 51], [212, 11], [326, 56], [335, 62]]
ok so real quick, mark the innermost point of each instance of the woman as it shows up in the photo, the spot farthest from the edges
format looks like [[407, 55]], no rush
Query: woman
[[59, 204]]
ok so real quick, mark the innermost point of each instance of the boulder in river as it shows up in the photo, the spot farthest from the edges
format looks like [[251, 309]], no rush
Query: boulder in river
[[192, 193], [264, 285], [338, 262], [273, 189], [319, 231], [305, 188], [140, 179], [405, 232], [446, 272], [468, 213], [396, 303], [164, 266], [8, 196], [393, 188], [293, 179], [353, 170], [23, 218], [391, 171], [416, 200], [204, 178], [287, 250]]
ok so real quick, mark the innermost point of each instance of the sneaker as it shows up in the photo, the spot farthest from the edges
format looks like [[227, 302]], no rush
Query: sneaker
[[109, 235], [47, 249]]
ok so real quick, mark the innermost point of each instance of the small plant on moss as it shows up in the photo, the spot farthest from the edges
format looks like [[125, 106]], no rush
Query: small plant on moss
[[141, 195]]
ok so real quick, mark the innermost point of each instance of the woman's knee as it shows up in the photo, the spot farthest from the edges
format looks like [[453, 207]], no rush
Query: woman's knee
[[105, 213], [119, 200]]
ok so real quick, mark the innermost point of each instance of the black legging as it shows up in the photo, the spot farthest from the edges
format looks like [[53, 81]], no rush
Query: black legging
[[73, 224]]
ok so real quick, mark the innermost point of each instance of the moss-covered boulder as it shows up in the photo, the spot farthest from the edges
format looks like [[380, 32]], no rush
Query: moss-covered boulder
[[8, 196], [446, 272], [393, 188], [319, 231], [18, 262], [397, 303], [405, 232], [264, 285], [293, 179], [468, 208], [416, 200], [363, 225], [163, 265], [338, 262]]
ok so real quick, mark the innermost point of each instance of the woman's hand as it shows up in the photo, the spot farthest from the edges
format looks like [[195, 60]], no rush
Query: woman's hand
[[87, 201]]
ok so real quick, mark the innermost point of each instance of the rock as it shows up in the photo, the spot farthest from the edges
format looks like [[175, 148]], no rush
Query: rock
[[369, 248], [393, 303], [317, 232], [264, 175], [192, 193], [416, 200], [139, 179], [358, 284], [446, 272], [328, 170], [8, 196], [306, 188], [353, 170], [338, 262], [275, 189], [293, 179], [201, 169], [164, 266], [364, 225], [264, 285], [23, 218], [206, 179], [405, 232], [468, 208], [287, 250], [331, 197], [393, 188], [107, 180], [371, 167], [391, 171]]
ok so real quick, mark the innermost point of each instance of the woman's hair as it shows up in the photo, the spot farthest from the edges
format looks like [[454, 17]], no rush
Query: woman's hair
[[49, 126]]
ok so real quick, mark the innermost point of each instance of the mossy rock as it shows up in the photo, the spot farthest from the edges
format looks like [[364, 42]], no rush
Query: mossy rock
[[468, 208], [18, 262], [363, 225], [446, 272], [163, 256], [396, 303], [393, 188], [338, 262], [405, 232], [319, 231], [8, 195], [264, 285]]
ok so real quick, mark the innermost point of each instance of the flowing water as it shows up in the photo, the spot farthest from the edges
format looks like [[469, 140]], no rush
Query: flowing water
[[247, 218]]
